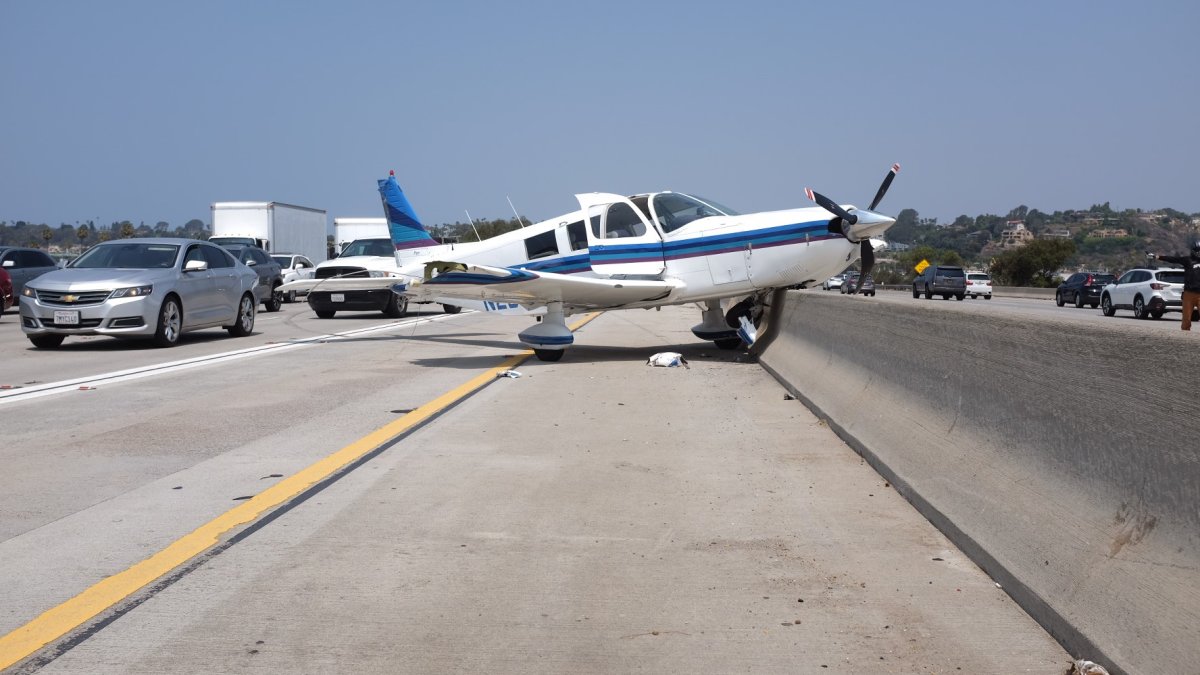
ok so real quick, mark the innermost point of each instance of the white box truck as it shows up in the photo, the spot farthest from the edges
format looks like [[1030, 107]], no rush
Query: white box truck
[[346, 230], [272, 226]]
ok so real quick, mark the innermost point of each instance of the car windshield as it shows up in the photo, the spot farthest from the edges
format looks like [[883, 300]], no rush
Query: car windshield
[[977, 277], [376, 247], [128, 255], [283, 260], [950, 271], [1101, 279], [1170, 276]]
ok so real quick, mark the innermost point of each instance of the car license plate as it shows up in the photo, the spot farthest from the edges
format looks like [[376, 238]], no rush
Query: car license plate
[[337, 297], [66, 317]]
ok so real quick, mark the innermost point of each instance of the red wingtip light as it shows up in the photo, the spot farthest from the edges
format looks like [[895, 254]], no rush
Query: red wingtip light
[[391, 172]]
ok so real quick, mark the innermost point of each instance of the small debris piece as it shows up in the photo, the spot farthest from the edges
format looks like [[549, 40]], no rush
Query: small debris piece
[[789, 397], [1084, 667], [667, 360], [86, 388], [508, 373]]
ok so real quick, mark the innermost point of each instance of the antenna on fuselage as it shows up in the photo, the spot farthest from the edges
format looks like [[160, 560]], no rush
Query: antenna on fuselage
[[510, 205], [472, 222]]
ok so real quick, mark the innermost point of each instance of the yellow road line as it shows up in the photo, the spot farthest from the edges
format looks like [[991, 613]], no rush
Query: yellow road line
[[71, 614]]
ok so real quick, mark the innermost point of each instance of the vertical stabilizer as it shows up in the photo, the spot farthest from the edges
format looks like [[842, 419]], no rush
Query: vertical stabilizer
[[403, 225]]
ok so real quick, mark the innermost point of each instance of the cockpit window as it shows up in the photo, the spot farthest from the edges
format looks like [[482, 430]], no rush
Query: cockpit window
[[674, 210]]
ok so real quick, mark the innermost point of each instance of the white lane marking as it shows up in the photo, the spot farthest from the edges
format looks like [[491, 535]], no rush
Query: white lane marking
[[61, 386]]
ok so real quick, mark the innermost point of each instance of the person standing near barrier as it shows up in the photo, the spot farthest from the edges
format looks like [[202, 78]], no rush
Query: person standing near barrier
[[1191, 280]]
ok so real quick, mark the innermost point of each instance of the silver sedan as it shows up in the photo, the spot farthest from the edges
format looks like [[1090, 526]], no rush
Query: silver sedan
[[147, 288]]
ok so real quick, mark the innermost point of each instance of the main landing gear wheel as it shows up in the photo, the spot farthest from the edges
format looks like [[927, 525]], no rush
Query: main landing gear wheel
[[550, 355]]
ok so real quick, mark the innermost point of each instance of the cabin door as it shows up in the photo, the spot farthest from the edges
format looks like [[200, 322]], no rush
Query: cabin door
[[621, 239]]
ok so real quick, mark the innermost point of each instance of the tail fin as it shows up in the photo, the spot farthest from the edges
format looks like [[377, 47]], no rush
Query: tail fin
[[403, 224]]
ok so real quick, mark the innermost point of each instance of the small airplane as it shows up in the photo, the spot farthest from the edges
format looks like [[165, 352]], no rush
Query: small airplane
[[619, 252]]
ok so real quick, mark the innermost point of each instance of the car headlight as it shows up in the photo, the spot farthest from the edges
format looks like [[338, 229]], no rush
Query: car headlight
[[132, 292], [29, 292]]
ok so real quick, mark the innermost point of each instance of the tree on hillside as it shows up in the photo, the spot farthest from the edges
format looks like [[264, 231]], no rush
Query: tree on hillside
[[905, 229], [1034, 264], [127, 230]]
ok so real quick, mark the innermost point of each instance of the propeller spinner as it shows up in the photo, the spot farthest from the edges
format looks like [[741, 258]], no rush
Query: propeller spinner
[[843, 217]]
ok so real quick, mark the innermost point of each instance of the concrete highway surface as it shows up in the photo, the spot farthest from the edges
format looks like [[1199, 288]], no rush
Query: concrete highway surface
[[300, 502]]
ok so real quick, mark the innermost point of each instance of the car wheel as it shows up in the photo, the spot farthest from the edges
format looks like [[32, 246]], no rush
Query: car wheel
[[928, 293], [1195, 315], [1079, 301], [1095, 305], [553, 355], [916, 293], [290, 297], [274, 302], [170, 323], [988, 296], [1058, 299], [396, 307], [451, 309], [1139, 308], [325, 313], [46, 341], [1106, 306], [960, 296], [243, 325], [1156, 313]]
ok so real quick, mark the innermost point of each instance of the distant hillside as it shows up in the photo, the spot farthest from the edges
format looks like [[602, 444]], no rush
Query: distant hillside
[[1104, 238]]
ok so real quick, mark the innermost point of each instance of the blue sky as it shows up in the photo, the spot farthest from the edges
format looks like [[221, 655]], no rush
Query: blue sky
[[151, 111]]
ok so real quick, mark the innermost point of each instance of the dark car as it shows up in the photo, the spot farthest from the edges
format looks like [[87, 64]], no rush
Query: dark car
[[6, 291], [1082, 288], [943, 280], [270, 274], [25, 264], [851, 284]]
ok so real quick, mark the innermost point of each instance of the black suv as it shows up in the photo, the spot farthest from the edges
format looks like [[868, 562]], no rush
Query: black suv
[[943, 280], [1082, 288], [270, 274]]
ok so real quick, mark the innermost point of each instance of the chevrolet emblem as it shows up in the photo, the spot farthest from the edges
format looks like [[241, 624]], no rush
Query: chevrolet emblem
[[70, 298]]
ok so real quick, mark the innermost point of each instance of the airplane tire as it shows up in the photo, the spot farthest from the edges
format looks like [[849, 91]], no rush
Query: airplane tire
[[551, 355], [451, 309]]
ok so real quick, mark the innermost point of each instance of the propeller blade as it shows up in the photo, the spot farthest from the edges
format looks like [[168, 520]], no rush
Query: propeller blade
[[867, 253], [887, 182], [830, 206]]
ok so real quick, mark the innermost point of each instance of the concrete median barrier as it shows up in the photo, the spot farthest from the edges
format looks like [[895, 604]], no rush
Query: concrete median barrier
[[1064, 459]]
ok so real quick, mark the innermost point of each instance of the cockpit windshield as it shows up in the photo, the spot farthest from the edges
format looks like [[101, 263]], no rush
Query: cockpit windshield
[[674, 210]]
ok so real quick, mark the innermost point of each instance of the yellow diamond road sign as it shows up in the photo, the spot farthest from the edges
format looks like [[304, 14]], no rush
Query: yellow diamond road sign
[[922, 265]]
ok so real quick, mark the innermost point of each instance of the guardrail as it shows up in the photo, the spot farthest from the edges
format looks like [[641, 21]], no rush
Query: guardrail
[[997, 291], [1062, 459]]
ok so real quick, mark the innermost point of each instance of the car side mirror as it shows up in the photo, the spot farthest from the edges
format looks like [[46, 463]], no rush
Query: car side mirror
[[195, 266], [250, 263]]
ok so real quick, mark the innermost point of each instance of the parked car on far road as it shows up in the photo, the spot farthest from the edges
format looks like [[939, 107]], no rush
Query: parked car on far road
[[157, 288], [24, 264], [1082, 288], [979, 283], [6, 291], [943, 280], [833, 282], [293, 267], [851, 284], [270, 275], [1148, 292]]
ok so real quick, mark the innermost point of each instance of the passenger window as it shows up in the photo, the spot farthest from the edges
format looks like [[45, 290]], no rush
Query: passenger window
[[194, 253], [541, 245], [622, 222], [577, 235], [216, 257]]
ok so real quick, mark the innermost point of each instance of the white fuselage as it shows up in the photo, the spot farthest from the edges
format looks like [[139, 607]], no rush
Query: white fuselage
[[710, 257]]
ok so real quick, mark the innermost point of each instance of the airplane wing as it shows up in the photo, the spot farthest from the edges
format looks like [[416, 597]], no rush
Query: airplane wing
[[533, 289]]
